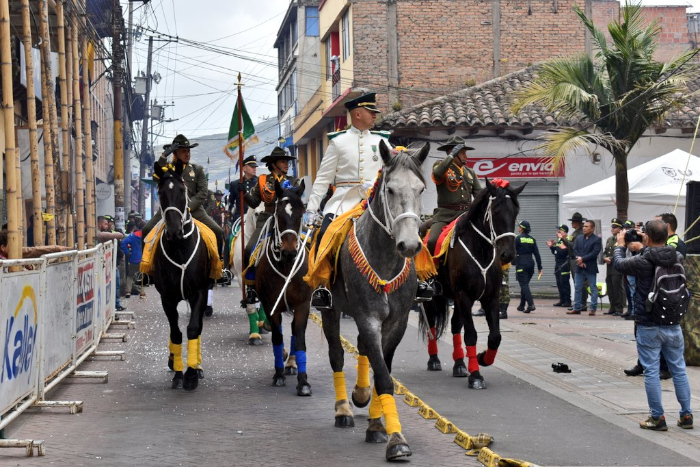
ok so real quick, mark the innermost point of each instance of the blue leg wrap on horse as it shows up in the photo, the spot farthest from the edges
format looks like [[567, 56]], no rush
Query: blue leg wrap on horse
[[250, 274], [301, 360], [279, 358], [293, 345]]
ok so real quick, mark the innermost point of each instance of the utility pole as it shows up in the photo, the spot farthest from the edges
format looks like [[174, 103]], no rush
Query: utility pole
[[127, 158], [117, 57], [144, 129]]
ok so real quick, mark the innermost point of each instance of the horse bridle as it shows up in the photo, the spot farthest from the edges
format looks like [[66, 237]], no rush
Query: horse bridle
[[390, 220], [186, 218], [492, 239]]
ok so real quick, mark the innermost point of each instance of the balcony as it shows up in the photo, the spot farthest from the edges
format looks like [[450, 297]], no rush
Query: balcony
[[337, 89]]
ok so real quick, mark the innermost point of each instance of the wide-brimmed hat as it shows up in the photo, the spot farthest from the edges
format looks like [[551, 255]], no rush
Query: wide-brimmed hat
[[277, 154], [367, 101], [251, 161], [181, 142], [452, 142], [577, 217], [563, 227], [218, 193], [615, 222]]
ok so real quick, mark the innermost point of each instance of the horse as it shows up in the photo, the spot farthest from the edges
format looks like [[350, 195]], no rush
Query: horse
[[380, 245], [279, 283], [182, 267], [483, 241], [256, 316]]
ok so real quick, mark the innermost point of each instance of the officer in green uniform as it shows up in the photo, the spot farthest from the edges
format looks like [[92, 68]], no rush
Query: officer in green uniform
[[456, 186], [196, 182], [613, 277]]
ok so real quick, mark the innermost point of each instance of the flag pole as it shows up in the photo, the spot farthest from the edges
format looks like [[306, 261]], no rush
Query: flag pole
[[240, 174]]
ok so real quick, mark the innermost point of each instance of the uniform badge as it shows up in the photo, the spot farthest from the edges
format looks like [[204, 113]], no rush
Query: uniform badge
[[375, 158], [191, 172]]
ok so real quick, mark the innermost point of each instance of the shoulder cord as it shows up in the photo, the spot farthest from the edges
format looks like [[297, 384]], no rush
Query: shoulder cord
[[488, 218]]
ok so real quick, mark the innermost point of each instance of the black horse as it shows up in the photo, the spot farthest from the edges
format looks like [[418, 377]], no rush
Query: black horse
[[483, 241], [181, 273], [283, 260]]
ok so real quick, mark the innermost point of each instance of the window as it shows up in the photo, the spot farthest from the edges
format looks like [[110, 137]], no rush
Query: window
[[346, 35], [311, 21], [332, 54]]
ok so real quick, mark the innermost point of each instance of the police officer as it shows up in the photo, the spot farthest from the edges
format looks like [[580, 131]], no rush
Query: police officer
[[217, 209], [351, 163], [196, 182], [525, 248], [250, 165], [264, 192], [562, 267], [613, 277]]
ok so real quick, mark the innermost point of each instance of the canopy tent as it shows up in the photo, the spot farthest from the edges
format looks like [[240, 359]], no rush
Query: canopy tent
[[653, 189]]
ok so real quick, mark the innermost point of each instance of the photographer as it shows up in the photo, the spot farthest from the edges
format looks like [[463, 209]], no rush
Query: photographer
[[652, 338]]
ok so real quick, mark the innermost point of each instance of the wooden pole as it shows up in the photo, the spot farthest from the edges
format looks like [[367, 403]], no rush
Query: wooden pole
[[117, 57], [14, 240], [87, 134], [79, 154], [47, 100], [241, 202], [31, 116], [71, 211], [63, 232]]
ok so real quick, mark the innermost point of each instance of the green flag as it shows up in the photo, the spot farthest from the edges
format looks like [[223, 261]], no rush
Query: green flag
[[249, 137]]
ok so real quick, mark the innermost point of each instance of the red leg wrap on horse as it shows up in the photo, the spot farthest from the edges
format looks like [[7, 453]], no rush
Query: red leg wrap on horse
[[473, 365], [432, 343], [457, 350], [490, 356]]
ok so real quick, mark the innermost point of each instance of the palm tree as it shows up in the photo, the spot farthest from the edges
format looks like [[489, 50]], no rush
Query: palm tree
[[615, 96]]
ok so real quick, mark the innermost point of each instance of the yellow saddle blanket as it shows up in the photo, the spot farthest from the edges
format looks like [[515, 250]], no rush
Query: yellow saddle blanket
[[150, 246], [320, 266]]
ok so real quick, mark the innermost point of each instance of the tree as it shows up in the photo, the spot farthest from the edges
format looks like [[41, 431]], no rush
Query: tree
[[616, 95]]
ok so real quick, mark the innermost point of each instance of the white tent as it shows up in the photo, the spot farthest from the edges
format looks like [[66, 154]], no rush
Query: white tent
[[653, 189]]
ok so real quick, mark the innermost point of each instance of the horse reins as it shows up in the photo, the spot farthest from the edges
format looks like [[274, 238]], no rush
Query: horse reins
[[488, 218], [390, 220]]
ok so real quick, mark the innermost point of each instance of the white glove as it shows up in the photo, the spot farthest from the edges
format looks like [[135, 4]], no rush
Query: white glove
[[309, 218], [365, 187]]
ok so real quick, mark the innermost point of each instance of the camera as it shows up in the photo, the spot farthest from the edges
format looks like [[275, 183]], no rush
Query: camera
[[631, 235]]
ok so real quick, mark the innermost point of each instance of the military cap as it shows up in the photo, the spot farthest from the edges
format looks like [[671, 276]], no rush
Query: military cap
[[577, 217], [367, 101], [277, 154], [615, 222], [564, 228], [525, 225], [628, 225], [219, 193], [251, 161], [109, 218], [452, 142]]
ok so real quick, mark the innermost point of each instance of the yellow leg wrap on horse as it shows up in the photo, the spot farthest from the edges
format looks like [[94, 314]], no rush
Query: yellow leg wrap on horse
[[391, 416], [176, 350], [341, 392], [192, 352], [199, 351], [375, 407], [362, 371]]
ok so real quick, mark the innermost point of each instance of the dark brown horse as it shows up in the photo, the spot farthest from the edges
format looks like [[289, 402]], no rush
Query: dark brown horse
[[181, 273], [283, 263], [483, 240]]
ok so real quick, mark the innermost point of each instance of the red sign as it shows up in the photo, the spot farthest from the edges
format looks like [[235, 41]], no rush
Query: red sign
[[515, 167]]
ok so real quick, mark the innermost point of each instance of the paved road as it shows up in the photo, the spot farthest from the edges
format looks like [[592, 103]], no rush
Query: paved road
[[235, 417]]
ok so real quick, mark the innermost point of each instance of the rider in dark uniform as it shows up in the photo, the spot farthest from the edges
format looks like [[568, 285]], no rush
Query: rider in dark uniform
[[525, 248], [250, 163]]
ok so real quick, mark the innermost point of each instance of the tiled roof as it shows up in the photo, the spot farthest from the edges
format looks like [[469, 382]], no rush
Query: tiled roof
[[488, 105]]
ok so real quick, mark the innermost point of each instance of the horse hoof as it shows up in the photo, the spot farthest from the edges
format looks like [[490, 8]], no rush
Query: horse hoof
[[255, 339], [361, 396], [200, 373], [304, 390], [208, 311], [278, 381], [290, 370], [477, 384], [397, 447], [344, 421], [262, 330], [376, 433], [434, 363], [177, 380], [191, 380], [459, 370]]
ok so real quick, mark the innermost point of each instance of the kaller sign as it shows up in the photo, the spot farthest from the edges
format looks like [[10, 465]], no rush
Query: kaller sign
[[515, 167]]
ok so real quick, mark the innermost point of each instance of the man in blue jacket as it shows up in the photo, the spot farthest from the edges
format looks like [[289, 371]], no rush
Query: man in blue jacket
[[131, 247], [586, 250]]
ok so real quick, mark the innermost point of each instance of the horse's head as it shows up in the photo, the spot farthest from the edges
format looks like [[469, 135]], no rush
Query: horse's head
[[504, 212], [172, 193], [289, 209], [400, 190]]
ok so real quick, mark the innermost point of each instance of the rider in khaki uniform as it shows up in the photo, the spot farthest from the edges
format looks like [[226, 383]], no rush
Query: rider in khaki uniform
[[197, 191]]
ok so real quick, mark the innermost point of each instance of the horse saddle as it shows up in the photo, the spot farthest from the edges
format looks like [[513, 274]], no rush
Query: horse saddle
[[443, 242]]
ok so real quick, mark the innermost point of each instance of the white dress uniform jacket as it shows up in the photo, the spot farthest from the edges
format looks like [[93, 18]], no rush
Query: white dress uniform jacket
[[352, 158]]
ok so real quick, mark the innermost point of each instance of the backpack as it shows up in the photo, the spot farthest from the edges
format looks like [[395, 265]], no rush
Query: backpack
[[669, 297]]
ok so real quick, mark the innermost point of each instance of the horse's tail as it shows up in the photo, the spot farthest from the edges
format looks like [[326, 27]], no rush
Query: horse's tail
[[433, 315]]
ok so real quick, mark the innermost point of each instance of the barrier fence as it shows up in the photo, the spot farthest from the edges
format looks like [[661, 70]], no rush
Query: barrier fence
[[53, 312]]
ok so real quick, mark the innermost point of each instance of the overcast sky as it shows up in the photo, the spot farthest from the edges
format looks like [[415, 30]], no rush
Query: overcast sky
[[201, 83]]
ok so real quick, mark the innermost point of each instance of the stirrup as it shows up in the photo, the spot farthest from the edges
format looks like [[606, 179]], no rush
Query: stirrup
[[425, 292], [322, 299], [251, 297]]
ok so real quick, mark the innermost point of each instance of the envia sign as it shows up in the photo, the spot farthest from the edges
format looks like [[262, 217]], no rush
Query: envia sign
[[515, 167]]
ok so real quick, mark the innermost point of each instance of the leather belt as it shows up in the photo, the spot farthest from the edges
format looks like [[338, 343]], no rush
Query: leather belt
[[346, 183], [455, 207]]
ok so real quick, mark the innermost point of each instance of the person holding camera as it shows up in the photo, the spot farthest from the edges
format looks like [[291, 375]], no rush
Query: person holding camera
[[586, 249], [613, 277], [653, 338]]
